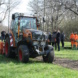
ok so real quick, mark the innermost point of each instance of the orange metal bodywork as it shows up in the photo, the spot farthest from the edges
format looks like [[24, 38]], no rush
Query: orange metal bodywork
[[18, 30], [27, 34]]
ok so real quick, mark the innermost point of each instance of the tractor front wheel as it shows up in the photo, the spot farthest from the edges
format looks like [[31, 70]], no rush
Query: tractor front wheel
[[50, 56], [23, 53]]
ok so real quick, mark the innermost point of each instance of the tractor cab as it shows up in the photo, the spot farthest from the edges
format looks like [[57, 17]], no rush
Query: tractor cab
[[26, 22], [21, 22]]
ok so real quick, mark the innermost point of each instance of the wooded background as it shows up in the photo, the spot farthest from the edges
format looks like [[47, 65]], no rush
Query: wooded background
[[56, 14], [52, 14]]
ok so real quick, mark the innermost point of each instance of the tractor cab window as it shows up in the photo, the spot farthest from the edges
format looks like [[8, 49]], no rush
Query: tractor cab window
[[14, 24], [25, 22], [28, 23]]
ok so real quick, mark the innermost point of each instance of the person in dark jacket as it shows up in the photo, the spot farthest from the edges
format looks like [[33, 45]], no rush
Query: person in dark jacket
[[3, 35], [62, 39], [58, 38], [49, 38], [54, 39]]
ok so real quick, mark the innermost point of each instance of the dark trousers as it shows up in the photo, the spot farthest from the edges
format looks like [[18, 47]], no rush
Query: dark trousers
[[58, 44], [54, 43], [62, 42]]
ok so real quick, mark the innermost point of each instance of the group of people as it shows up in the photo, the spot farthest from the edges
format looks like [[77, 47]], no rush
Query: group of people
[[55, 39], [74, 39]]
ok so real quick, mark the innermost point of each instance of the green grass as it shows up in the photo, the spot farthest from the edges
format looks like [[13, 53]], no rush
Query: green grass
[[11, 68], [67, 53], [70, 54], [67, 44]]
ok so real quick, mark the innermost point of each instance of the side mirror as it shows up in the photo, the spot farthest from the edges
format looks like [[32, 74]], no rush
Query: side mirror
[[44, 19], [13, 16]]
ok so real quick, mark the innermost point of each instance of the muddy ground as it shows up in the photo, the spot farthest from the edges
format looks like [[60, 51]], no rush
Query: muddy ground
[[71, 64]]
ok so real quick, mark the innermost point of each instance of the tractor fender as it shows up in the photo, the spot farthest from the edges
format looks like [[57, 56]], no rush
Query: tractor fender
[[22, 42], [26, 41], [49, 49]]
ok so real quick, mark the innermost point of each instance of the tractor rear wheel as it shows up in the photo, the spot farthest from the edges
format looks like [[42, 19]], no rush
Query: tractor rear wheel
[[23, 53], [7, 47]]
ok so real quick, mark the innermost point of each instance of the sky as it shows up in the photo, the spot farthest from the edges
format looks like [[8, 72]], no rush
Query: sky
[[23, 7]]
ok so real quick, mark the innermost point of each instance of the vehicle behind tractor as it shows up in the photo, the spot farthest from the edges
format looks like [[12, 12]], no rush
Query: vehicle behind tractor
[[25, 41]]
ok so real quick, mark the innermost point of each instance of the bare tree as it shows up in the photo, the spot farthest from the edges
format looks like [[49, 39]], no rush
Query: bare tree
[[4, 7], [56, 11]]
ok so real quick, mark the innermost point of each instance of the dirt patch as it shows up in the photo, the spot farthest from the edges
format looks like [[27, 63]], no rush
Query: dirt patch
[[72, 64]]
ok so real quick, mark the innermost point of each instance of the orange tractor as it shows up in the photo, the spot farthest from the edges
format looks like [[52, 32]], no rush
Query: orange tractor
[[25, 40]]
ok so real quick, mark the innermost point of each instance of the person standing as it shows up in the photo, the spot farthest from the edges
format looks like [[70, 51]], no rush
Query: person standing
[[3, 33], [72, 39], [75, 39], [62, 39], [54, 39], [58, 38]]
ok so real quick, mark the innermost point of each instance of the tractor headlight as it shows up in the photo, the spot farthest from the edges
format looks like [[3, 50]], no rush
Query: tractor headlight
[[43, 43], [35, 43]]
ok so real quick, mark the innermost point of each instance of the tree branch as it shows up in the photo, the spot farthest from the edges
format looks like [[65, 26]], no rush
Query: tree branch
[[71, 10]]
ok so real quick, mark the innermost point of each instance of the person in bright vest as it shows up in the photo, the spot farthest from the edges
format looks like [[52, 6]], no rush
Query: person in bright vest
[[75, 39], [72, 39]]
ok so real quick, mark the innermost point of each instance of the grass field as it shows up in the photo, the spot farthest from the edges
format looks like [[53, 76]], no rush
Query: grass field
[[11, 68], [70, 54], [67, 53]]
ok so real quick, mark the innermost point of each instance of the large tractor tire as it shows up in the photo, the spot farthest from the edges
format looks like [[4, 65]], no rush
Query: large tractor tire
[[8, 49], [23, 53], [50, 56]]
